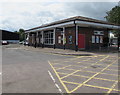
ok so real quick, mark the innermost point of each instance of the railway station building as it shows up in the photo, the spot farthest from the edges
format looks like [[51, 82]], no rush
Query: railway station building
[[76, 33]]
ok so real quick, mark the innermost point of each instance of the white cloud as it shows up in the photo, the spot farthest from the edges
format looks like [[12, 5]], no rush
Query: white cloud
[[59, 1], [15, 15]]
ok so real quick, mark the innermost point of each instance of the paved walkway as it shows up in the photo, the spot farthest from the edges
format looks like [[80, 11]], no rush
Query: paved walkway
[[59, 51], [71, 52]]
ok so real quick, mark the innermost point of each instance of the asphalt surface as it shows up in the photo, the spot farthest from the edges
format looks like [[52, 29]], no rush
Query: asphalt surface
[[27, 71]]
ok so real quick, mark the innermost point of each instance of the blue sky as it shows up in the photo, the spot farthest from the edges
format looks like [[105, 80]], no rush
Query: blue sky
[[16, 15]]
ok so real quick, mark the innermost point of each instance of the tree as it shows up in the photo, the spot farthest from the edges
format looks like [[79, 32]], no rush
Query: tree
[[21, 34], [113, 16]]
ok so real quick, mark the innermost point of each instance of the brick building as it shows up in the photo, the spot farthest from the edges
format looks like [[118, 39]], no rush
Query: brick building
[[77, 33]]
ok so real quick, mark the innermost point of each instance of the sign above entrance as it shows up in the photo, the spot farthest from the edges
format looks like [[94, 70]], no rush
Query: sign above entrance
[[98, 32]]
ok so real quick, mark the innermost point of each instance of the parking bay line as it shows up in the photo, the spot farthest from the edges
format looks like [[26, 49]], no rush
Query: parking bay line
[[93, 72], [91, 77], [66, 60], [112, 70], [112, 87], [91, 86], [96, 62], [57, 68], [81, 57], [90, 58], [59, 78], [62, 67], [100, 60], [70, 74], [94, 77], [106, 69], [86, 66], [88, 77]]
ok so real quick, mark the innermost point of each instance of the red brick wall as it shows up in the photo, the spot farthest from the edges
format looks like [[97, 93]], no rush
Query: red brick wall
[[69, 31], [88, 37]]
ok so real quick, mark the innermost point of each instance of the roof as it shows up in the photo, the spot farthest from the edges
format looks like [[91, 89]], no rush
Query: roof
[[8, 35], [5, 31], [80, 18]]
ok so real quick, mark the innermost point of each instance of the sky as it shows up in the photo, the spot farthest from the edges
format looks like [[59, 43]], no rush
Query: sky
[[15, 15]]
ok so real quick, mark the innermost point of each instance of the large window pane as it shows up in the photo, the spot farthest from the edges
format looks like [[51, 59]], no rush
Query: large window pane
[[48, 38]]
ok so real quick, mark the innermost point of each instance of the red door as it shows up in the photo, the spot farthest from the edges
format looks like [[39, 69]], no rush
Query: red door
[[81, 41]]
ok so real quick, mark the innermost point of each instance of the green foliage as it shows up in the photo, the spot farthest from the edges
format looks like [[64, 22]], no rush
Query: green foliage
[[113, 16], [21, 34]]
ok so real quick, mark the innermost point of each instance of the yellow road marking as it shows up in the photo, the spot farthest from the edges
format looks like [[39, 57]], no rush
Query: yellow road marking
[[58, 54], [89, 85], [84, 67], [113, 70], [101, 55], [103, 58], [115, 66], [70, 69], [78, 65], [90, 58], [71, 82], [112, 87], [77, 57], [55, 63], [81, 76], [88, 77], [70, 74], [59, 78], [93, 72], [87, 59], [104, 79], [63, 67], [64, 59], [91, 77], [62, 73], [96, 86]]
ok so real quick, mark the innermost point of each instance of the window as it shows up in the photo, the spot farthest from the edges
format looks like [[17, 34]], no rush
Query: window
[[59, 39], [98, 32], [97, 39], [93, 39], [70, 39], [48, 38], [101, 39]]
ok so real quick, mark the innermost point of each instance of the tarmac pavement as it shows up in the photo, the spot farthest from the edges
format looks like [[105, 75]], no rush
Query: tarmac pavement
[[36, 70]]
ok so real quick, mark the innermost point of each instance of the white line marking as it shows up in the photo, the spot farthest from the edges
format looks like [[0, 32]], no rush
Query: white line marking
[[0, 73], [51, 76], [55, 82], [57, 85]]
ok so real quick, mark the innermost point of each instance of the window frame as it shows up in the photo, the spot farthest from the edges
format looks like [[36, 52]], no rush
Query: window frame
[[48, 38]]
